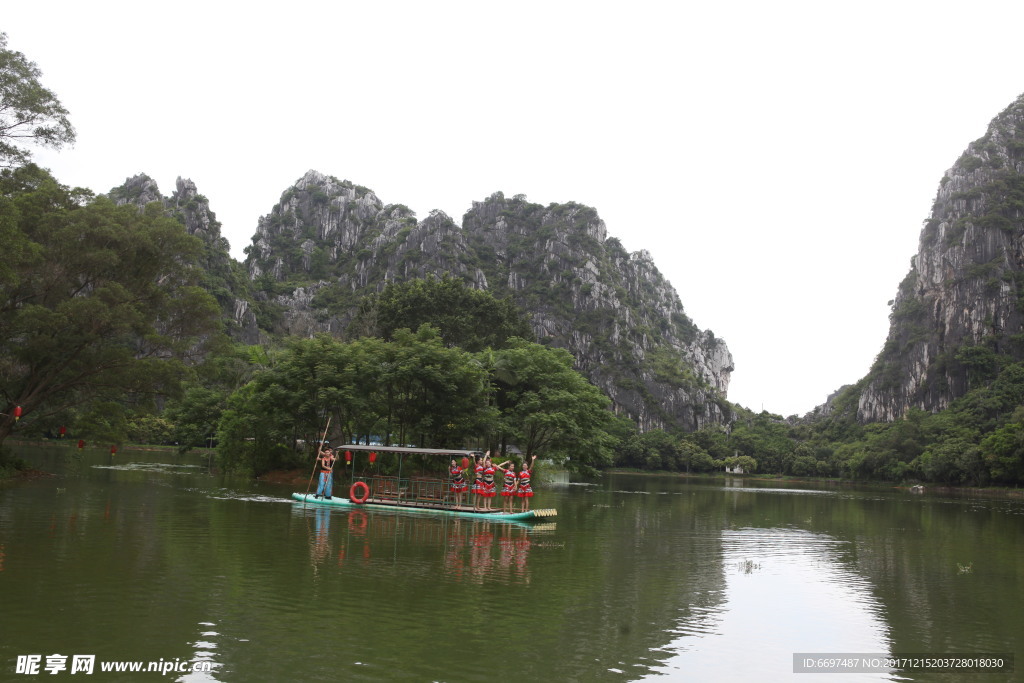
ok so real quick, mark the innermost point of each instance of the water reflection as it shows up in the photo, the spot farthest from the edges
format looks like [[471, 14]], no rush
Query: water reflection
[[642, 576], [319, 547], [781, 586], [476, 551]]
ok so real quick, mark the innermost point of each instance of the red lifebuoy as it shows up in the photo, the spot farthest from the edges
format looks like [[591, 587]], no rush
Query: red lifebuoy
[[354, 497]]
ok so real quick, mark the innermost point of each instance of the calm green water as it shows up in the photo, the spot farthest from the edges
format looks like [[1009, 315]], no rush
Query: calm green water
[[147, 557]]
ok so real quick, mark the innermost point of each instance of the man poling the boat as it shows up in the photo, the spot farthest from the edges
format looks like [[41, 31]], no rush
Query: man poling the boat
[[326, 463], [319, 452]]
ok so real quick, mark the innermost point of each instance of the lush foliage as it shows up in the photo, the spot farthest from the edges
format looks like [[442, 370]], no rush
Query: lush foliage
[[977, 441], [546, 407], [468, 318], [98, 304], [414, 390], [29, 112]]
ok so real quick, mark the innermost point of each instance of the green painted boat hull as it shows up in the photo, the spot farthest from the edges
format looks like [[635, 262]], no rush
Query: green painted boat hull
[[529, 515]]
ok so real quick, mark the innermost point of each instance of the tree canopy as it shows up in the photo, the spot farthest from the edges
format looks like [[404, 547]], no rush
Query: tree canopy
[[468, 318], [549, 408], [29, 112], [97, 302], [414, 390]]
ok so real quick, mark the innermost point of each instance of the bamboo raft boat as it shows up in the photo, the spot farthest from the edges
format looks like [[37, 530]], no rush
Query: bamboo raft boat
[[426, 495]]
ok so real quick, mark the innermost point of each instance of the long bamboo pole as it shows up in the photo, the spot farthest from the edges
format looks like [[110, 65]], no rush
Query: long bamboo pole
[[319, 450]]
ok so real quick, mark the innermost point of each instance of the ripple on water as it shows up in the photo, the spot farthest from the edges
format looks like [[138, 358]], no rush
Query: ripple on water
[[774, 542], [204, 662], [228, 494], [162, 467]]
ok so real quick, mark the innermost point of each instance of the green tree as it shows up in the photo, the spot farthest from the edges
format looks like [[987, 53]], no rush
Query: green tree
[[98, 302], [765, 438], [29, 112], [194, 416], [195, 413], [693, 458], [713, 440], [411, 390], [551, 409], [1003, 450], [469, 318]]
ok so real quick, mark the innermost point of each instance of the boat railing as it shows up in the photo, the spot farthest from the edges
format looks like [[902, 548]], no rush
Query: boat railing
[[426, 491], [430, 490], [389, 488]]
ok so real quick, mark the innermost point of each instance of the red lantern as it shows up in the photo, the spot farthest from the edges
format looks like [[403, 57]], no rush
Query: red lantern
[[373, 457], [465, 463], [81, 444], [113, 450], [63, 431], [348, 457], [17, 413]]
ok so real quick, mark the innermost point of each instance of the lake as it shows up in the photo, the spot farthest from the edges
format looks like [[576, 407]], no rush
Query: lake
[[148, 557]]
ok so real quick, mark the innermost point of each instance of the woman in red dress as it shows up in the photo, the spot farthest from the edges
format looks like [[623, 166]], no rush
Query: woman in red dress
[[458, 482], [478, 481], [489, 489], [525, 492], [508, 489]]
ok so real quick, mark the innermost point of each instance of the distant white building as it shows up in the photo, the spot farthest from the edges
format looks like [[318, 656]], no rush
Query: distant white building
[[734, 470]]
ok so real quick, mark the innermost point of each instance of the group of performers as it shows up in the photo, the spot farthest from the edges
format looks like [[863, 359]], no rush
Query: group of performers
[[484, 488]]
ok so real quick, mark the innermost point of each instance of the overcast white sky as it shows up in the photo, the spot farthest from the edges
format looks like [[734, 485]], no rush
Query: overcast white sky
[[776, 158]]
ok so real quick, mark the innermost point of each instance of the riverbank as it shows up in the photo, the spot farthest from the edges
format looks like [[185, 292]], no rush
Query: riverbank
[[12, 469], [18, 469], [73, 444], [986, 491]]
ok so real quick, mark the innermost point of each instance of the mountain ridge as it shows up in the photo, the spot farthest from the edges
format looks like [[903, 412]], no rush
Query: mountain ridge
[[328, 242]]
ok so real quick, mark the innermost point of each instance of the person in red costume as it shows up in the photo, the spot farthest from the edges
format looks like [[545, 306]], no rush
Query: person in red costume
[[508, 489], [478, 481], [489, 489], [458, 482], [525, 491]]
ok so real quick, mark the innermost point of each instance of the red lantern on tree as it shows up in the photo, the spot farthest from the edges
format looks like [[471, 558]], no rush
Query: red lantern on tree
[[17, 413], [348, 457], [465, 463], [63, 431], [81, 444], [373, 457], [113, 450]]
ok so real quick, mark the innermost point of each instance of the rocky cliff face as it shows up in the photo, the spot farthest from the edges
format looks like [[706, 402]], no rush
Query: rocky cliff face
[[222, 277], [959, 310], [621, 320], [327, 242]]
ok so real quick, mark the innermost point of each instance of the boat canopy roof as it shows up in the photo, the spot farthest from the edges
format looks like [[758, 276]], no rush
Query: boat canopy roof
[[404, 450]]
